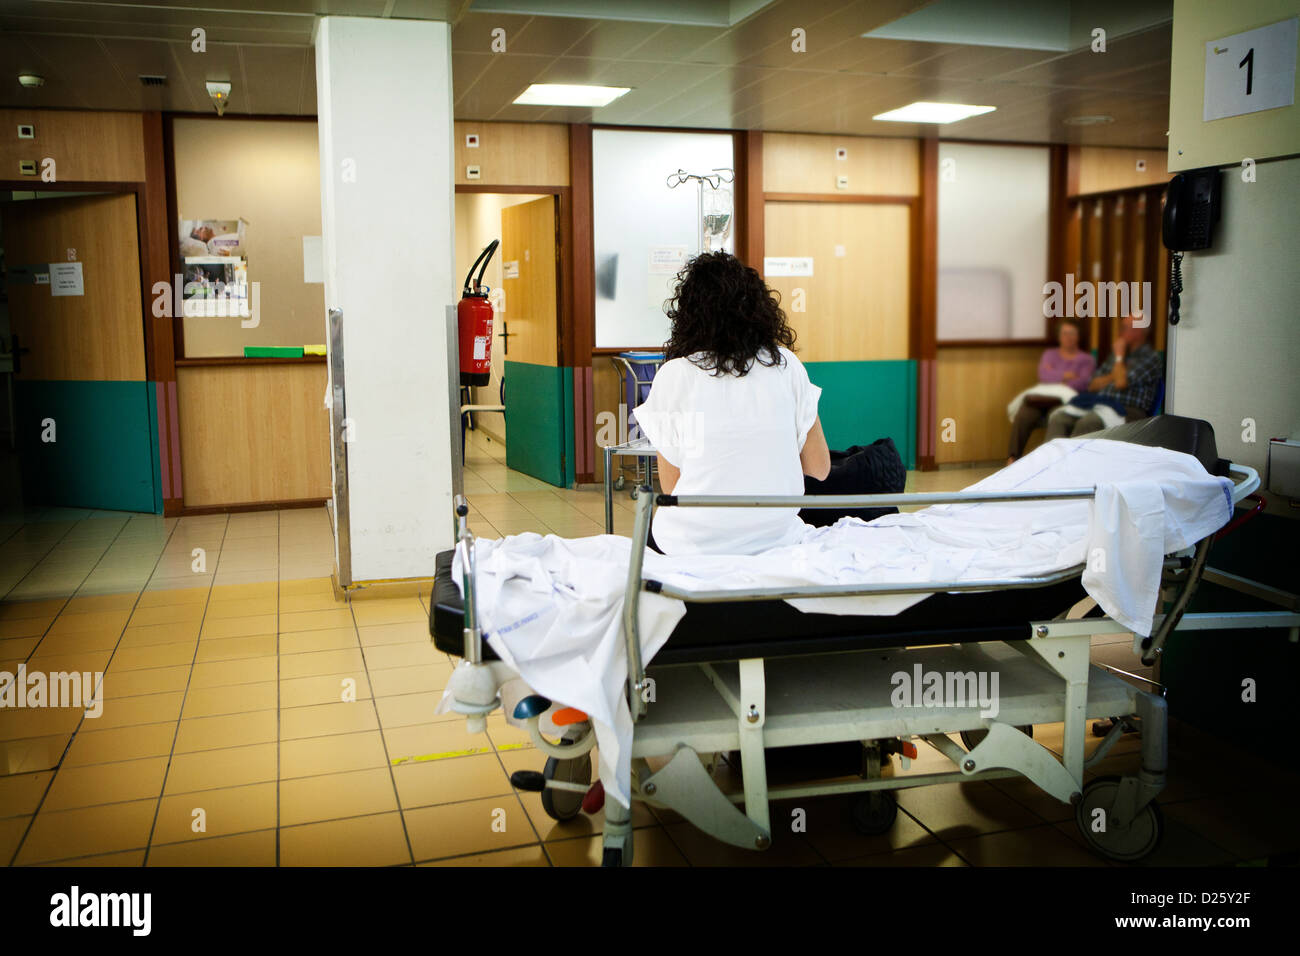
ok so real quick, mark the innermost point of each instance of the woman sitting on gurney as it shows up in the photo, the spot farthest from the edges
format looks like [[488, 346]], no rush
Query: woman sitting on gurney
[[731, 412]]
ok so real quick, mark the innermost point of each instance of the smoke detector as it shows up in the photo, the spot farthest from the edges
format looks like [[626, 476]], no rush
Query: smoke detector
[[30, 80]]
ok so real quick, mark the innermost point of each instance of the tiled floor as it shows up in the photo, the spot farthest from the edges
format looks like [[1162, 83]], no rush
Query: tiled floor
[[225, 738]]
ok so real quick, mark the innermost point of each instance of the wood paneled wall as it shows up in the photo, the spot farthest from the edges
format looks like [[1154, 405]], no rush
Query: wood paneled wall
[[85, 146], [809, 163], [973, 388], [254, 433], [857, 303], [1101, 169], [513, 154]]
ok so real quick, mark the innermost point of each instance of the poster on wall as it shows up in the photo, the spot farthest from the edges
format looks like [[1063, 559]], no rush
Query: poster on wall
[[215, 286], [212, 237]]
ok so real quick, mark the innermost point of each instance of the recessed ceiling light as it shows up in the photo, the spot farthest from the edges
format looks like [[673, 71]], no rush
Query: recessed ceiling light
[[566, 94], [923, 112], [30, 80], [1096, 119]]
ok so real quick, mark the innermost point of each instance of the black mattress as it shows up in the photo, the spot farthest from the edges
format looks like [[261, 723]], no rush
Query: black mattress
[[733, 631]]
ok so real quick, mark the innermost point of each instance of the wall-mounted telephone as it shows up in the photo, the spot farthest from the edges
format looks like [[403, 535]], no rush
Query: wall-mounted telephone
[[1191, 209], [1192, 202]]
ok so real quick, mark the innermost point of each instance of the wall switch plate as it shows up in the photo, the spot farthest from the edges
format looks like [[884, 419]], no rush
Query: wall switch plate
[[27, 167], [839, 252], [472, 172], [841, 182], [471, 140], [26, 131], [1141, 165], [841, 153]]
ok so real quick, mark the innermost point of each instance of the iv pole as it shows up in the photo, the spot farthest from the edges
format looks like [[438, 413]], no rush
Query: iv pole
[[714, 179]]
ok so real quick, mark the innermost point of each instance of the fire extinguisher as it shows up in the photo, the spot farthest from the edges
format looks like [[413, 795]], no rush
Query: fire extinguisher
[[474, 319]]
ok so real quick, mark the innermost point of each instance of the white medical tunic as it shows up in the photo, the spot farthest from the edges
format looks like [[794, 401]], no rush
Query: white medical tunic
[[730, 435]]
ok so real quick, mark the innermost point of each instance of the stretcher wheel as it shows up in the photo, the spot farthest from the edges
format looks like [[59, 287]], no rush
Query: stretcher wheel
[[875, 812], [973, 738], [562, 805], [619, 482], [1133, 842]]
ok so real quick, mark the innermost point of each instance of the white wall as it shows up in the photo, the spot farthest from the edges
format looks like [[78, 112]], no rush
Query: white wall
[[634, 212], [478, 222], [384, 107], [992, 241], [1236, 352]]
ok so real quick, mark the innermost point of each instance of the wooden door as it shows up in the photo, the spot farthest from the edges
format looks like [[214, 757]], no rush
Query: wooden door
[[538, 422], [85, 422]]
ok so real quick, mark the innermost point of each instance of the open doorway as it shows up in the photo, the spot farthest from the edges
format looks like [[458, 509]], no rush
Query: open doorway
[[523, 278], [77, 416]]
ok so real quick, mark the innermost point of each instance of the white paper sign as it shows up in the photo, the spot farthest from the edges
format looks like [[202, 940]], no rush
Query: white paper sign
[[788, 266], [1251, 71], [667, 260], [66, 279], [510, 270]]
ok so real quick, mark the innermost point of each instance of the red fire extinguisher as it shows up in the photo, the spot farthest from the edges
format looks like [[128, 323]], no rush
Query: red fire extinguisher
[[474, 319]]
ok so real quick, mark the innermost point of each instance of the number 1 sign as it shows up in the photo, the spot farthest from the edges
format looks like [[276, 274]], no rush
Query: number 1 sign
[[1251, 71]]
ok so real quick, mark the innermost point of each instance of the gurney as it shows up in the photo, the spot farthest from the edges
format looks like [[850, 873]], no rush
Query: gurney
[[744, 671]]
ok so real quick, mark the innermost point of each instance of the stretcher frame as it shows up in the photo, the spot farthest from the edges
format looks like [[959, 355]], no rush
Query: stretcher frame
[[746, 705]]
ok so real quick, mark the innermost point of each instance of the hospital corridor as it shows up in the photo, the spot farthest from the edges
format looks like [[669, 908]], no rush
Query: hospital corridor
[[443, 440]]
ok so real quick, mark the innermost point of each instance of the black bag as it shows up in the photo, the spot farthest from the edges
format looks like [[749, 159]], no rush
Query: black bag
[[874, 469]]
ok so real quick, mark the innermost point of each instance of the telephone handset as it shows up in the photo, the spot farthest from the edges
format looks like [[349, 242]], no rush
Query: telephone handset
[[1192, 202], [1191, 210]]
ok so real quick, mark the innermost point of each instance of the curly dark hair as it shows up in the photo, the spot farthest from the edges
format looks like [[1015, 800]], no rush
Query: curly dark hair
[[723, 309]]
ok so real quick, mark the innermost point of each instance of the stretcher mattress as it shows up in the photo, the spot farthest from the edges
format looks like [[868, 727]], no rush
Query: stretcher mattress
[[735, 630]]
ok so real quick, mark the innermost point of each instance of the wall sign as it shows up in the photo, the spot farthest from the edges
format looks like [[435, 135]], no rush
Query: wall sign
[[1251, 71], [788, 266], [66, 279]]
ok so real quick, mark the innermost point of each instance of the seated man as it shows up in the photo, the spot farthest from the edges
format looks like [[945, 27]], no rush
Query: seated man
[[1126, 383], [1065, 365]]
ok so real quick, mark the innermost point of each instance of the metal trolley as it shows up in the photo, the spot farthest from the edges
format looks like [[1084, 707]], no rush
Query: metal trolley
[[636, 373]]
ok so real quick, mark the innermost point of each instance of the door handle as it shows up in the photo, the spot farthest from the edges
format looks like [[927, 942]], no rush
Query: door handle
[[504, 335], [17, 352]]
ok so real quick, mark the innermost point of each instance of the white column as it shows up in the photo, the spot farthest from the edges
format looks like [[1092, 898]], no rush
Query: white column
[[384, 109]]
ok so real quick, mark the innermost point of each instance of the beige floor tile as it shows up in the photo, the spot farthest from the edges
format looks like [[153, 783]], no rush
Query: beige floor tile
[[242, 607], [100, 602], [931, 854], [148, 709], [234, 627], [39, 722], [235, 699], [244, 591], [154, 680], [319, 720], [310, 756], [315, 620], [60, 834], [229, 730], [156, 655], [384, 656], [241, 849], [1036, 846], [76, 787], [123, 743], [236, 648], [166, 614], [228, 767], [409, 680], [956, 810], [409, 709], [26, 610], [33, 753], [371, 612], [24, 627], [306, 586], [77, 642], [97, 621], [311, 601], [12, 830], [173, 596], [473, 826], [376, 840], [21, 793], [315, 799], [223, 812], [433, 782], [410, 632], [241, 671], [321, 663], [324, 639], [441, 739], [532, 855], [330, 689], [129, 858], [179, 632]]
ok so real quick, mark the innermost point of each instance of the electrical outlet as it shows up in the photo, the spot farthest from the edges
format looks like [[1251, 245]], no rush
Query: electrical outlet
[[26, 131], [841, 182], [841, 153], [1142, 165], [27, 167], [472, 172], [471, 140]]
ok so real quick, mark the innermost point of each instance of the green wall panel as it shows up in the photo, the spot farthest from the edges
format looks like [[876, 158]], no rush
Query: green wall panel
[[539, 421], [105, 452], [863, 401]]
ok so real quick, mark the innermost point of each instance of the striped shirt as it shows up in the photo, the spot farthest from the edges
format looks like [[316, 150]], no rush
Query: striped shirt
[[1145, 369]]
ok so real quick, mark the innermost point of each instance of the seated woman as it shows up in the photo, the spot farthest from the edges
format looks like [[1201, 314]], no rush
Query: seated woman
[[731, 411], [1067, 364]]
